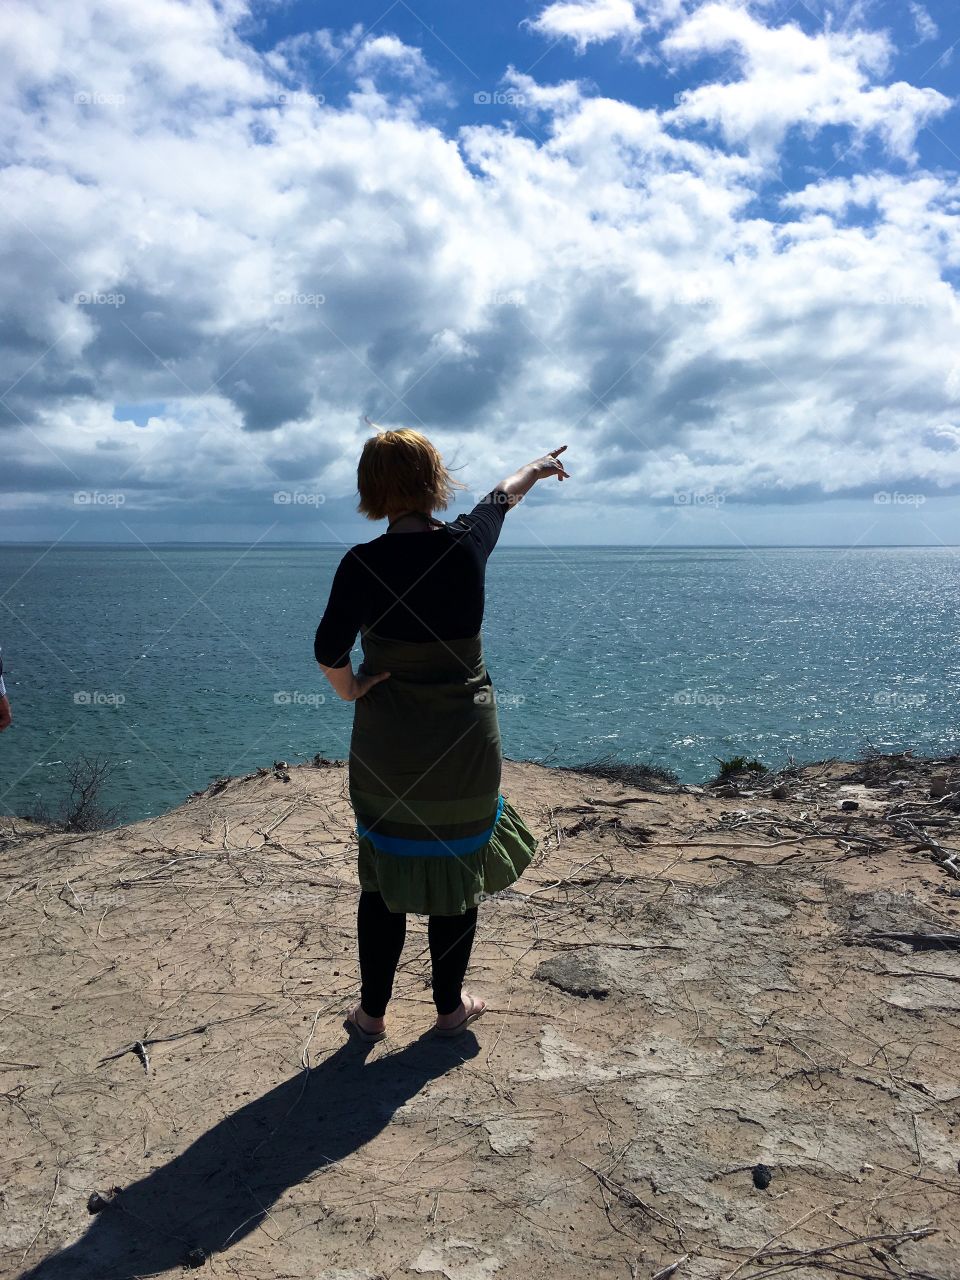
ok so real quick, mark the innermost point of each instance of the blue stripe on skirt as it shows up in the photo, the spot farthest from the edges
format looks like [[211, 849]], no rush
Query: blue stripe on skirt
[[429, 848]]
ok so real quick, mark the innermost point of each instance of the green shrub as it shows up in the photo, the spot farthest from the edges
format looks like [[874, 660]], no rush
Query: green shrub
[[643, 776], [737, 765]]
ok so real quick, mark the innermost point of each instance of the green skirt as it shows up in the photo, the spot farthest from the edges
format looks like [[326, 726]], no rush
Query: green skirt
[[435, 833]]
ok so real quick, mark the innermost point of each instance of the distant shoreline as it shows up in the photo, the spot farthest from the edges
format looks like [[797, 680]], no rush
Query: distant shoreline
[[529, 546], [643, 775]]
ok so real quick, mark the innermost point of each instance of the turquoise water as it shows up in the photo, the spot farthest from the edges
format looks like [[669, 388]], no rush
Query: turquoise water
[[182, 663]]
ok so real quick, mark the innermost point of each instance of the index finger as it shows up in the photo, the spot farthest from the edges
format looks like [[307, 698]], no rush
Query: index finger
[[554, 452]]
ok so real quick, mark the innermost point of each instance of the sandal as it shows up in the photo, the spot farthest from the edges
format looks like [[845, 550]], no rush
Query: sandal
[[472, 1014], [368, 1037]]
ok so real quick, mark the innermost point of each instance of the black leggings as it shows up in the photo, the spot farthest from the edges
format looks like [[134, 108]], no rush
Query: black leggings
[[380, 935]]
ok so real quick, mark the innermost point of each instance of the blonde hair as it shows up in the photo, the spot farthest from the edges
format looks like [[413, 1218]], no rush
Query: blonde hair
[[402, 470]]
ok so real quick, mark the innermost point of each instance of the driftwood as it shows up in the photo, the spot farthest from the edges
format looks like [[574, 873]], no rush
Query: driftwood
[[786, 1258], [139, 1047], [947, 858], [664, 1272], [921, 941], [904, 822]]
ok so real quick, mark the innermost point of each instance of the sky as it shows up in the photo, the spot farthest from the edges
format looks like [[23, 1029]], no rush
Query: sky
[[711, 247]]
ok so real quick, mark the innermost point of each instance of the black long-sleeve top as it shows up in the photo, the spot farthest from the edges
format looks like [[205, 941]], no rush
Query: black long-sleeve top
[[413, 586]]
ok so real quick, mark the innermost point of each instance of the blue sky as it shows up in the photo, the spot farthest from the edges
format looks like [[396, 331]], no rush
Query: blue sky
[[712, 247]]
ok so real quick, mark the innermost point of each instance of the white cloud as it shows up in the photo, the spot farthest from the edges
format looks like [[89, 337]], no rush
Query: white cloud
[[552, 98], [287, 266], [373, 60], [927, 29], [385, 55], [295, 54], [160, 53], [587, 22], [791, 79], [390, 52]]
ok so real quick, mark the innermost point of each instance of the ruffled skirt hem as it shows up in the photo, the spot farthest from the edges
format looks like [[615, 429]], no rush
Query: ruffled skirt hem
[[450, 885]]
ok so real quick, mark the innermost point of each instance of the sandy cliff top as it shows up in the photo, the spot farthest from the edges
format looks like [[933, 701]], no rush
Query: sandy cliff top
[[684, 987]]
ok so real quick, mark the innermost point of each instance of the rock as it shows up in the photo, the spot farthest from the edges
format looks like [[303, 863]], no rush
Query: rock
[[761, 1177], [507, 1137], [849, 805], [349, 1273], [196, 1258], [457, 1260], [938, 786], [97, 1203], [577, 972]]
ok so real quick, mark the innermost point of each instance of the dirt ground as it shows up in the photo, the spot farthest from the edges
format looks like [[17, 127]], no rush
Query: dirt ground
[[700, 1058]]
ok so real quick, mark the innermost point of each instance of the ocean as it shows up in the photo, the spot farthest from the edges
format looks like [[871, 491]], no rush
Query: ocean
[[181, 663]]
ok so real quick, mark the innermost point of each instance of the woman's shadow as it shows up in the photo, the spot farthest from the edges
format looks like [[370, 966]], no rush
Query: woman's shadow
[[219, 1189]]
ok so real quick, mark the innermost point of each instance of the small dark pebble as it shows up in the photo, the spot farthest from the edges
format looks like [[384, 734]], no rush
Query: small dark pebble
[[196, 1258], [761, 1177], [97, 1203], [850, 804]]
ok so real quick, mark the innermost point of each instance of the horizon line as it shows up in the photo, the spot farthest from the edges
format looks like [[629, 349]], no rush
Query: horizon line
[[525, 546]]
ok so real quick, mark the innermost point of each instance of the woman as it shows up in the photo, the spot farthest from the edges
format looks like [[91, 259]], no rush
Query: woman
[[434, 832]]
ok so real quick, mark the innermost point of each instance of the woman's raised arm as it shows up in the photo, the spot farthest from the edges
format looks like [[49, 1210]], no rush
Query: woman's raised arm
[[522, 481]]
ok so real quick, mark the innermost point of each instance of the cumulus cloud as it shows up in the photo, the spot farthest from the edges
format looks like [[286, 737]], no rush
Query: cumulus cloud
[[927, 29], [790, 78], [587, 22], [384, 58], [215, 263]]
